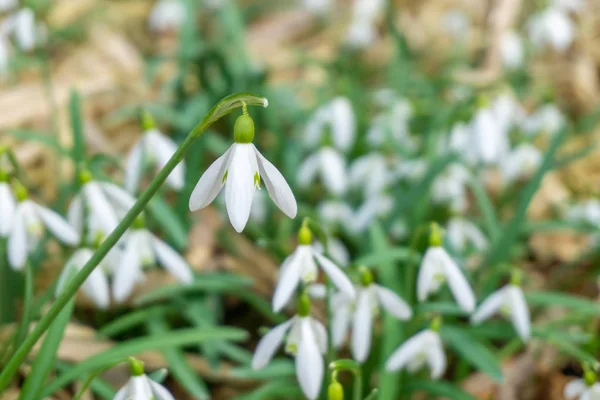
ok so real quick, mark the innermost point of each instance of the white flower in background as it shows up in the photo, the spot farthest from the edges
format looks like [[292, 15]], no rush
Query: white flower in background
[[306, 341], [521, 162], [27, 228], [581, 390], [319, 7], [26, 31], [371, 173], [143, 249], [7, 207], [511, 50], [393, 123], [510, 302], [547, 119], [332, 212], [156, 149], [7, 5], [569, 5], [437, 268], [241, 170], [399, 229], [459, 142], [141, 387], [4, 55], [551, 27], [167, 15], [258, 212], [588, 211], [95, 286], [462, 234], [456, 23], [335, 119], [411, 170], [302, 265], [362, 30], [336, 249], [423, 348], [372, 208], [508, 111], [489, 139], [450, 187], [327, 164]]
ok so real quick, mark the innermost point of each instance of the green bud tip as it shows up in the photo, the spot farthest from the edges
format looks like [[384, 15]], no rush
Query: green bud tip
[[304, 235], [590, 377], [139, 222], [366, 276], [85, 176], [147, 121], [335, 390], [435, 235], [483, 101], [303, 305], [136, 366], [436, 324], [20, 191], [243, 130], [4, 176], [516, 277]]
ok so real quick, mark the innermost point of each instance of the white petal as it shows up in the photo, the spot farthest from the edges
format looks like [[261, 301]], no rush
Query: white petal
[[129, 270], [342, 123], [317, 291], [333, 171], [159, 391], [458, 284], [122, 200], [239, 188], [489, 306], [140, 388], [340, 324], [426, 274], [123, 393], [392, 303], [307, 171], [575, 388], [96, 288], [337, 276], [75, 214], [436, 358], [101, 211], [269, 344], [17, 241], [57, 225], [172, 261], [278, 188], [288, 281], [309, 362], [406, 352], [519, 312], [76, 261], [362, 327], [7, 209], [164, 148], [320, 335], [133, 168], [210, 183]]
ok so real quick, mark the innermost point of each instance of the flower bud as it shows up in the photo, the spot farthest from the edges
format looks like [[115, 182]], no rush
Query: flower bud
[[20, 191], [84, 176], [147, 121], [303, 305], [435, 236], [304, 235], [366, 276], [136, 367], [243, 130], [335, 391]]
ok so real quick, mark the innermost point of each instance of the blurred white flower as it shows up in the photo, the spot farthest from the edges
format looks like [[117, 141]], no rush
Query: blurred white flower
[[551, 27], [26, 31], [508, 111], [588, 211], [372, 208], [156, 149], [241, 170], [462, 234], [332, 123], [411, 170], [362, 31], [95, 286], [489, 139], [510, 302], [423, 348], [456, 23], [27, 228], [438, 267], [307, 341], [581, 390], [511, 50], [521, 162], [547, 119], [143, 388], [459, 142], [450, 187], [319, 7], [392, 123], [7, 208], [336, 249], [328, 164], [332, 212], [7, 5], [4, 55], [371, 173], [143, 249], [167, 15]]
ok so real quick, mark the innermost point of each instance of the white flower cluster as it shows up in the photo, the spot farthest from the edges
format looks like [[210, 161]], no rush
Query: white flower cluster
[[22, 27]]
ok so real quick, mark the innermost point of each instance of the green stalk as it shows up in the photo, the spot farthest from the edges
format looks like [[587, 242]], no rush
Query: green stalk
[[224, 107], [358, 385], [27, 305], [6, 304]]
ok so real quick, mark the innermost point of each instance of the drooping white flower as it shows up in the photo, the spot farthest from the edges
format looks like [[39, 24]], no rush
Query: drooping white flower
[[588, 211], [507, 111], [329, 165], [334, 212], [25, 29], [4, 55], [450, 187], [371, 173], [374, 207], [7, 5], [143, 249], [362, 32], [335, 118], [551, 27], [153, 148], [141, 387], [456, 23], [241, 170], [392, 124], [462, 233], [548, 120], [568, 5], [306, 341], [581, 390], [337, 251], [437, 268], [488, 139], [7, 208], [95, 286], [508, 301], [459, 142], [423, 348], [167, 15], [521, 162], [511, 50], [27, 228]]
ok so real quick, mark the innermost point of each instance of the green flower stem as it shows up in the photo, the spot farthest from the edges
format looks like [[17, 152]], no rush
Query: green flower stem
[[222, 108], [6, 304], [27, 305], [92, 376]]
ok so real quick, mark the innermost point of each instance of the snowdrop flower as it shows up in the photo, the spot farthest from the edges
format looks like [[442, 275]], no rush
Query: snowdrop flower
[[374, 207], [411, 170], [507, 111], [167, 15], [155, 148], [143, 249], [330, 166], [7, 205], [336, 250], [551, 27], [336, 118], [438, 267], [488, 139], [587, 388], [241, 170], [26, 32], [393, 122], [510, 302], [319, 7], [423, 348], [306, 341], [450, 187], [462, 233], [371, 173], [302, 265], [7, 5], [548, 119], [95, 286], [361, 32], [588, 211], [27, 228], [456, 23], [459, 141], [332, 212], [369, 299], [141, 387], [511, 50], [521, 163], [4, 55]]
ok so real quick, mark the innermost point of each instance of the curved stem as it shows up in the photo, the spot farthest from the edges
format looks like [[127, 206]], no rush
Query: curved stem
[[27, 305]]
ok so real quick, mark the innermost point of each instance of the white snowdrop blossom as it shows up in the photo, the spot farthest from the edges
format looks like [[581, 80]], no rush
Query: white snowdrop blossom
[[411, 170], [7, 208], [392, 123], [336, 249], [459, 142], [424, 348], [334, 212], [581, 390], [371, 173], [241, 170], [141, 387], [462, 234], [362, 31], [167, 15], [548, 120], [143, 249], [456, 23], [328, 164], [306, 341], [490, 142], [95, 286], [26, 32], [511, 50], [7, 5], [553, 28], [521, 162], [588, 211], [508, 111], [332, 123], [450, 187], [510, 302], [4, 55], [375, 206], [27, 228], [437, 268]]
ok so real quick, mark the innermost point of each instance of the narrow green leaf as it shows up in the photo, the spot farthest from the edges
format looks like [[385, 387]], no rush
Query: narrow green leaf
[[131, 320], [440, 389], [443, 308], [486, 208], [40, 137], [78, 152], [280, 389], [169, 222], [564, 345], [387, 256], [575, 303], [277, 368]]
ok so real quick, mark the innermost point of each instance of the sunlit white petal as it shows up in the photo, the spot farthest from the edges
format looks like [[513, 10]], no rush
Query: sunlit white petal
[[210, 183], [172, 261], [392, 303], [337, 276], [269, 344], [239, 187], [277, 186], [309, 362]]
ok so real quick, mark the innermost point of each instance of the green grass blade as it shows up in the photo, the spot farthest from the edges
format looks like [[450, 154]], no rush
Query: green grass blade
[[575, 303], [169, 222], [439, 389]]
